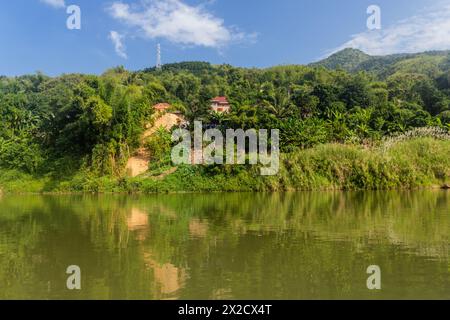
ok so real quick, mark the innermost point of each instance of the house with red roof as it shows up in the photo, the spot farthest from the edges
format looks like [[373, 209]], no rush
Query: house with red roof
[[161, 107], [220, 105]]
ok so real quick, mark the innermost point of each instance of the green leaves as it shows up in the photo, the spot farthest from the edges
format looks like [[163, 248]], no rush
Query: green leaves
[[100, 119], [159, 146], [98, 112]]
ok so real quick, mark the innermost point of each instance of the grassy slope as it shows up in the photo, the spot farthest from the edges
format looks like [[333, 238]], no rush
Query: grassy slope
[[423, 162]]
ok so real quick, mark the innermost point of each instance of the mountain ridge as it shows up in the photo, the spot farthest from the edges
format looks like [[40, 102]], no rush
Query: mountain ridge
[[429, 63]]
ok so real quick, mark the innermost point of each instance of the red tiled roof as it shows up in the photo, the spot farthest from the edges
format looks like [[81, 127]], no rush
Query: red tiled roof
[[220, 100], [161, 106]]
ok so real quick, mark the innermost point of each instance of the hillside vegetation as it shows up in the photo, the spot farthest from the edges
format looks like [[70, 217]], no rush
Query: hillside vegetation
[[63, 133], [410, 164], [431, 64]]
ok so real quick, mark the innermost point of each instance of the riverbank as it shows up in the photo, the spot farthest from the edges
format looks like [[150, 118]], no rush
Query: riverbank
[[416, 163]]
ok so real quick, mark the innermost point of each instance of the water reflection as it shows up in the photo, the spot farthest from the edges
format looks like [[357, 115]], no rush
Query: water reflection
[[198, 228], [233, 246]]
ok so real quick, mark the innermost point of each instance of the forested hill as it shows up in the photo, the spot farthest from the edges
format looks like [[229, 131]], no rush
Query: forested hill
[[195, 67], [94, 123], [431, 63]]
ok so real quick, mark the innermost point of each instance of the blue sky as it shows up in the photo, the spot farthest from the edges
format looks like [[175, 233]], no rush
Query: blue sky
[[250, 33]]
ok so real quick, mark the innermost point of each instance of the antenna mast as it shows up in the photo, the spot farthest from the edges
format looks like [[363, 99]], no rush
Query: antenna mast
[[158, 57]]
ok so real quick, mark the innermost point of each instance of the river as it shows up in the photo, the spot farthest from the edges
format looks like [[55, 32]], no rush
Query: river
[[226, 246]]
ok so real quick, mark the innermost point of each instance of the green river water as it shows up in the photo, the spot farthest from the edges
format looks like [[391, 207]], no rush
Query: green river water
[[227, 246]]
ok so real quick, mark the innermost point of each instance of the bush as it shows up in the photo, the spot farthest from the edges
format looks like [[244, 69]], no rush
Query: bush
[[159, 145]]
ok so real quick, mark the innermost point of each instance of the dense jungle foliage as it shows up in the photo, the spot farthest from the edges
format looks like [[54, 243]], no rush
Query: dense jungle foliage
[[61, 126]]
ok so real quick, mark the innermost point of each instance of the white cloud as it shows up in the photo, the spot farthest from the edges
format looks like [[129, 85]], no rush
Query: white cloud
[[116, 39], [429, 30], [178, 23], [55, 3]]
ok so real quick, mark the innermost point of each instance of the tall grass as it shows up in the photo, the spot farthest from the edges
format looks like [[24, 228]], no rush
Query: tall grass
[[421, 162], [424, 132], [399, 163]]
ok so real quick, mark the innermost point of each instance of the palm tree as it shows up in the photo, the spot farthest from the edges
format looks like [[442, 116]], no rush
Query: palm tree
[[279, 104]]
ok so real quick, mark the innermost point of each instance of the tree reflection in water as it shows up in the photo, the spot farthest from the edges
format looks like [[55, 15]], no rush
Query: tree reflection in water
[[226, 246]]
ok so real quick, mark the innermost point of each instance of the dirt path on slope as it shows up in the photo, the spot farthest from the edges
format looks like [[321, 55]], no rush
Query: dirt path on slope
[[166, 121], [139, 163]]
